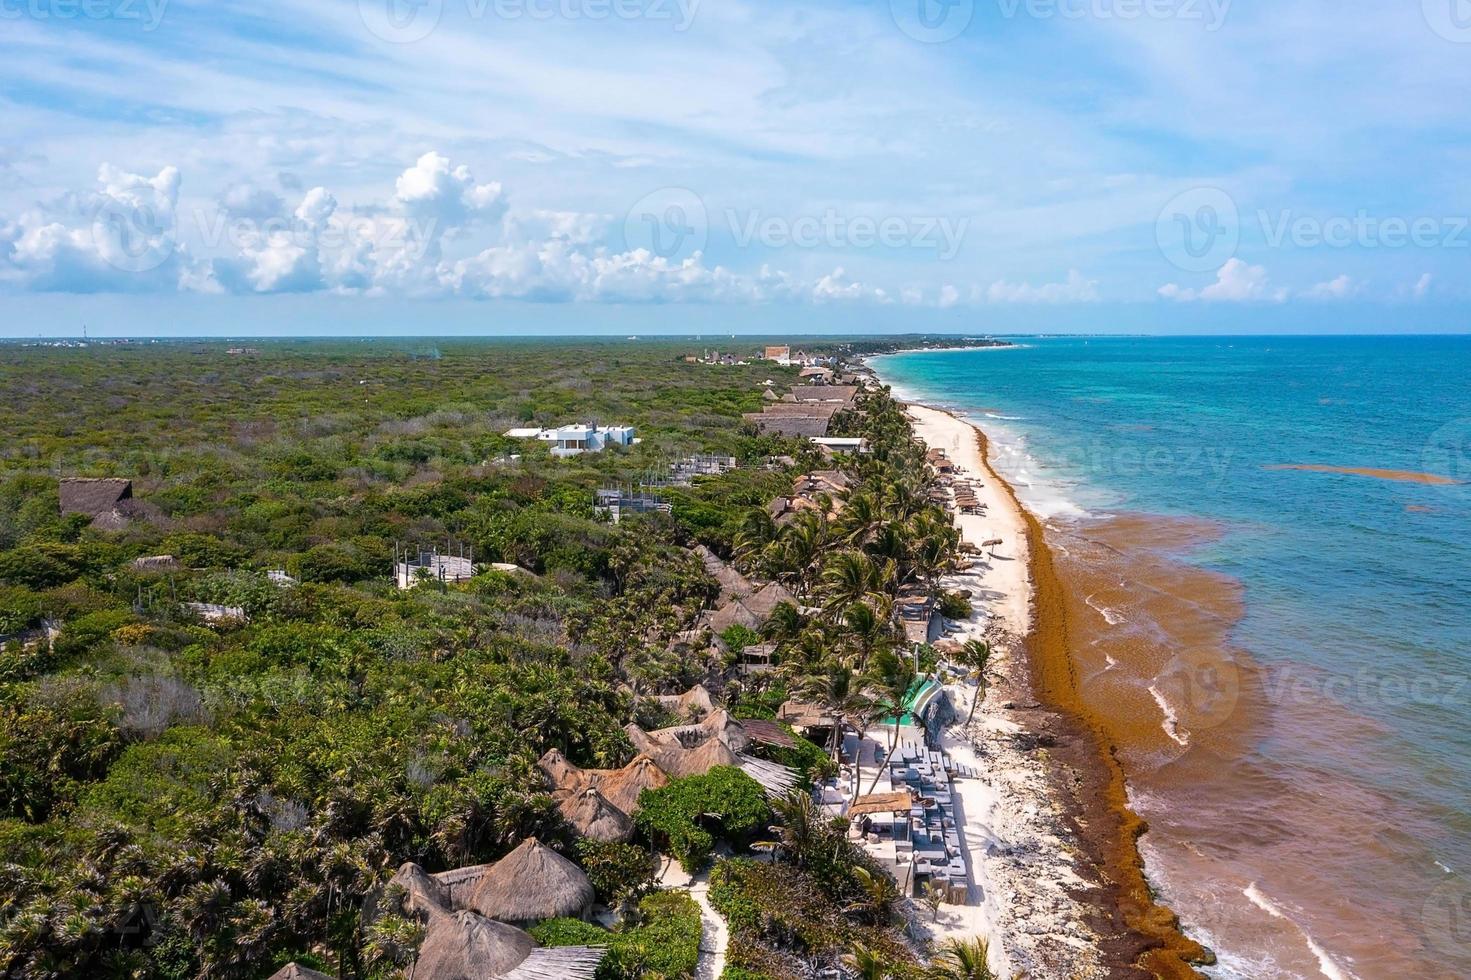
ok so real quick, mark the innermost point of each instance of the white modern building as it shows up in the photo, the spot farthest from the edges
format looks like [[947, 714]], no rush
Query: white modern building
[[570, 440]]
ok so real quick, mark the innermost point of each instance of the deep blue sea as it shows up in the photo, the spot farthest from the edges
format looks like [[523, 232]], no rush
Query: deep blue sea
[[1357, 610]]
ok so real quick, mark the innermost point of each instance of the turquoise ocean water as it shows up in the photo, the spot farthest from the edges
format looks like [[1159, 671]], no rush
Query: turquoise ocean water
[[1357, 609]]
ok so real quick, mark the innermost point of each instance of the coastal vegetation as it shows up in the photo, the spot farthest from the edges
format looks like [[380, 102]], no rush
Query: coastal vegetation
[[222, 727]]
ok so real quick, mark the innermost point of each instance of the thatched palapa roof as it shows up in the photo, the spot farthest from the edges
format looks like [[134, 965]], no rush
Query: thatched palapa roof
[[466, 946], [562, 774], [532, 883], [413, 890], [898, 802], [590, 813], [752, 611], [295, 971], [623, 786], [696, 701], [733, 584], [768, 733], [93, 497]]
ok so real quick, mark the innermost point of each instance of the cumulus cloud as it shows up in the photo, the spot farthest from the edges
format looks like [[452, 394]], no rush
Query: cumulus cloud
[[1236, 282], [439, 232], [1075, 290], [251, 201], [1340, 288], [433, 190], [120, 237]]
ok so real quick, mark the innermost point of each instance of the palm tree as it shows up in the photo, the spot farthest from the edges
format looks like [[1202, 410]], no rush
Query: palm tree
[[840, 692], [887, 691], [757, 530], [963, 959], [847, 578], [868, 964], [975, 655], [868, 627]]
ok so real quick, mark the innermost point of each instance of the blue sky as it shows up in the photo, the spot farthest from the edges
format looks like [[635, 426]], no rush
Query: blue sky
[[440, 166]]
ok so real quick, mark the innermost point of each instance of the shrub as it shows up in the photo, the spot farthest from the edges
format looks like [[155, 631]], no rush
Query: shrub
[[665, 947], [619, 872], [673, 814], [953, 605], [20, 609]]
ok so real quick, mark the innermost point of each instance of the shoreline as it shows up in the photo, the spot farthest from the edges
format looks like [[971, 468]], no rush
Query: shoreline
[[1059, 792]]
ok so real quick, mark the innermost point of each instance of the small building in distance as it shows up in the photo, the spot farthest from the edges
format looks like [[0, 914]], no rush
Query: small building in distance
[[781, 355], [841, 444], [842, 394], [411, 568], [572, 440], [615, 502], [704, 464], [105, 501]]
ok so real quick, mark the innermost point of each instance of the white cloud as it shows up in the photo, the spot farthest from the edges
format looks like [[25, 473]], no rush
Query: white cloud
[[1422, 286], [1340, 288], [432, 190], [1075, 290], [1236, 282], [121, 237]]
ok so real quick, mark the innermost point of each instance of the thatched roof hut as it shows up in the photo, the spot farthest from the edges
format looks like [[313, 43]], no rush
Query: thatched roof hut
[[591, 815], [414, 891], [696, 702], [733, 584], [295, 971], [93, 497], [466, 946], [459, 884], [752, 611], [562, 774], [532, 883], [623, 786], [768, 733]]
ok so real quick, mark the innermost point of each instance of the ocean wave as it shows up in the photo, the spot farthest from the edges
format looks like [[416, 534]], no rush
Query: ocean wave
[[1110, 615], [1171, 724], [1329, 967]]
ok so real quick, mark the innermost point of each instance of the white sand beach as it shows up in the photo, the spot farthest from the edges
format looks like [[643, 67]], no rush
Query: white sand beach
[[998, 582]]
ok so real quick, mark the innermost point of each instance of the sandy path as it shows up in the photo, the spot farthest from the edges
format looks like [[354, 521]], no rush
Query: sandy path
[[714, 934]]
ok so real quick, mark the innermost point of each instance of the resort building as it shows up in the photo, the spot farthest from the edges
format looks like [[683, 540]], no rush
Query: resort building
[[572, 440], [843, 394], [795, 419], [841, 444], [781, 355]]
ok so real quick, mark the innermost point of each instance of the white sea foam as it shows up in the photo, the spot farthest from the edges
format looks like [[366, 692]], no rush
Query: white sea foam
[[1112, 663], [1443, 867], [1327, 965], [1110, 615], [1171, 724]]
